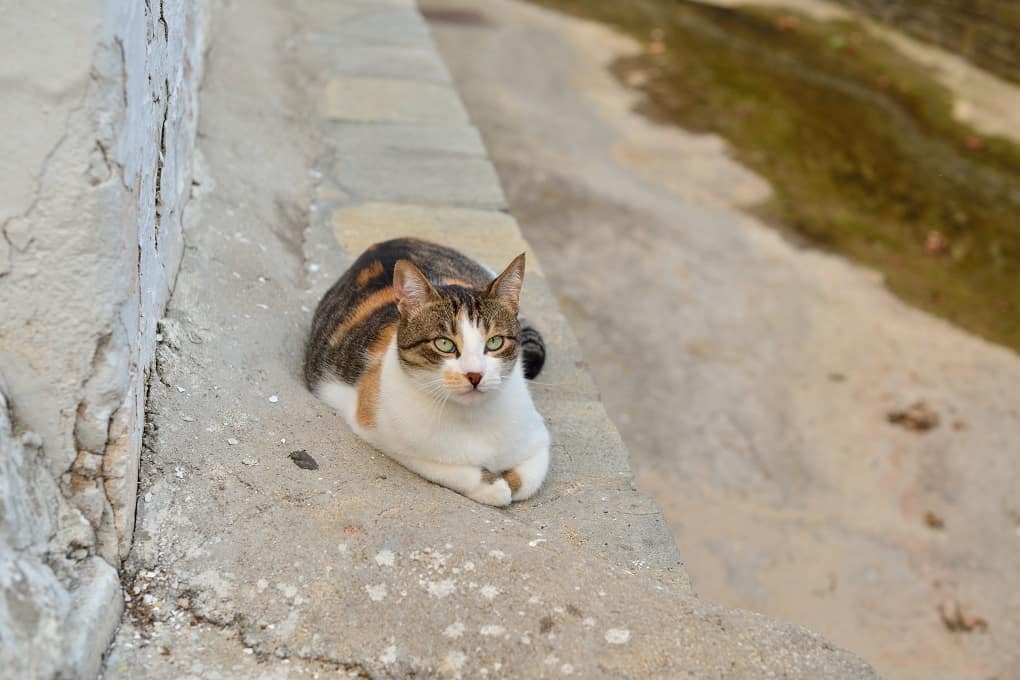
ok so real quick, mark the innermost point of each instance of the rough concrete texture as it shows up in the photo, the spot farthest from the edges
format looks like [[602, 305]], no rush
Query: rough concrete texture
[[245, 565], [100, 113], [765, 436]]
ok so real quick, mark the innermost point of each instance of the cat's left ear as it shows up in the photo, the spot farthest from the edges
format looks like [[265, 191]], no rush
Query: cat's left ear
[[507, 286]]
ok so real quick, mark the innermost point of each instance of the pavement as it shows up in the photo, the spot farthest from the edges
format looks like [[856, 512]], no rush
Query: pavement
[[324, 127], [752, 379]]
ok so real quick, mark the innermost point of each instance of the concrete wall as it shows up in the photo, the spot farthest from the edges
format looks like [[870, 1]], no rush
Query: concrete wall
[[987, 32], [99, 115]]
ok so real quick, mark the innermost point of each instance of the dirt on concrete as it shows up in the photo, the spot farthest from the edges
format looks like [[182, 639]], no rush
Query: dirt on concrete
[[753, 380]]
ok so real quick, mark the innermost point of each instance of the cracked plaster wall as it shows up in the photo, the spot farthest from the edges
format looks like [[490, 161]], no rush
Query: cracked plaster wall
[[99, 115]]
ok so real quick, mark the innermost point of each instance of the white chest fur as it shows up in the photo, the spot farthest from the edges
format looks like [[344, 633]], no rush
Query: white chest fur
[[501, 431]]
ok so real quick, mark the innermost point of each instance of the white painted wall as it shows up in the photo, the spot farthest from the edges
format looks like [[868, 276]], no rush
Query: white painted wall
[[99, 110]]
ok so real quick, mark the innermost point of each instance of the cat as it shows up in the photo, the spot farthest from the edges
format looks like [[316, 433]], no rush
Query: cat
[[420, 350]]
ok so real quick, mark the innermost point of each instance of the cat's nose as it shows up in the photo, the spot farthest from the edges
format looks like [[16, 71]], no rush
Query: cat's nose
[[474, 378]]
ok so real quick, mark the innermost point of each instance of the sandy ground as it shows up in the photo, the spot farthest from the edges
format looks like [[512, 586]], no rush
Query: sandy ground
[[752, 380]]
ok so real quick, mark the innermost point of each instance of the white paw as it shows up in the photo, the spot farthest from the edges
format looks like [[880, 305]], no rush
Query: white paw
[[524, 493], [497, 493]]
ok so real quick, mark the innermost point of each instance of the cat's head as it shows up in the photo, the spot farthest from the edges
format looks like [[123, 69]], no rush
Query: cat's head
[[458, 342]]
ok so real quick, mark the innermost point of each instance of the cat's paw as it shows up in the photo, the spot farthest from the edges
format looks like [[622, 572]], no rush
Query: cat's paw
[[526, 479], [495, 493]]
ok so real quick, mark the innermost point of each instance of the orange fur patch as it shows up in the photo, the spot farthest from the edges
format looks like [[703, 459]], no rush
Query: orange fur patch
[[451, 281], [376, 300], [370, 272], [369, 383], [513, 478], [453, 380]]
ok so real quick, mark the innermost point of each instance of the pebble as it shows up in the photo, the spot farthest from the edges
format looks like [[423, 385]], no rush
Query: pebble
[[231, 441], [248, 460], [273, 399], [617, 636]]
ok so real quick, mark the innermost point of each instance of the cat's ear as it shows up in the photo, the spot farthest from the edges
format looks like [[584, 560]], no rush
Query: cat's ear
[[411, 288], [507, 286]]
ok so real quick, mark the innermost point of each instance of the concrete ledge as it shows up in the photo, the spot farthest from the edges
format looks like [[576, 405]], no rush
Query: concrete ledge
[[390, 100], [247, 565]]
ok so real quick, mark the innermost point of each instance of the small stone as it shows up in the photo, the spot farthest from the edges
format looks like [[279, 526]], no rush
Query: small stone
[[273, 399], [248, 460], [454, 630], [232, 441], [933, 521], [918, 417], [187, 419], [376, 593], [617, 636], [389, 655], [303, 460]]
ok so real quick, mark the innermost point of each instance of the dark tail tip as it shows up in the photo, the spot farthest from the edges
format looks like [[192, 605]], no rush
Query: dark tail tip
[[532, 351]]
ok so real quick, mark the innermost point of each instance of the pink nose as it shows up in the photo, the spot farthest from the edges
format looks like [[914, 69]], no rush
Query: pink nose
[[474, 378]]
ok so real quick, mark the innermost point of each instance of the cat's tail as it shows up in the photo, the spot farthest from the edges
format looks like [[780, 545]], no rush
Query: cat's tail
[[532, 350]]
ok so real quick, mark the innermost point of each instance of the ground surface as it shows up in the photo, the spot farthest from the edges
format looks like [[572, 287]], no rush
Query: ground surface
[[752, 381], [327, 126]]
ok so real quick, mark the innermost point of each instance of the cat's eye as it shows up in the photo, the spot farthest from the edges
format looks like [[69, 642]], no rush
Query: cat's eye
[[494, 343], [444, 344]]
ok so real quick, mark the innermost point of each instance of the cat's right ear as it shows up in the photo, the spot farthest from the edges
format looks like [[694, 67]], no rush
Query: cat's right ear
[[411, 287]]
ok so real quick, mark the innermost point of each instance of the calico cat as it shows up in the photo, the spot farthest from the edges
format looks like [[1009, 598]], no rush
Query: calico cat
[[420, 349]]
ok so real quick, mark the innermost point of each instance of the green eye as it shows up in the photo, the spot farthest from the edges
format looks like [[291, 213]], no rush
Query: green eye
[[494, 343], [444, 344]]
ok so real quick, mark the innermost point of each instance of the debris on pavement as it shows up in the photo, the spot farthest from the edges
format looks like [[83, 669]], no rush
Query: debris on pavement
[[918, 417], [956, 621], [933, 521], [303, 460]]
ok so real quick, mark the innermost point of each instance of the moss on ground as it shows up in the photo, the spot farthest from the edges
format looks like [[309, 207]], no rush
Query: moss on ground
[[857, 141]]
